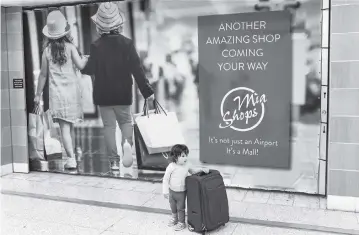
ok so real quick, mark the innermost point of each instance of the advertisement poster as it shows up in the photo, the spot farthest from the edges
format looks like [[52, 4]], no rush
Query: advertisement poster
[[169, 38], [245, 71]]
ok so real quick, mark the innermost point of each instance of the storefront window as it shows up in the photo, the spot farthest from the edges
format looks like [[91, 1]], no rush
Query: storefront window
[[166, 36]]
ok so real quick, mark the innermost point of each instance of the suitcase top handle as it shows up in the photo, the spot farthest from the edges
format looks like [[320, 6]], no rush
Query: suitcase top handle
[[201, 173]]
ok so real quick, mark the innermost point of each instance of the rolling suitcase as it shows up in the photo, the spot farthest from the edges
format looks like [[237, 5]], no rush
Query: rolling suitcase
[[207, 202]]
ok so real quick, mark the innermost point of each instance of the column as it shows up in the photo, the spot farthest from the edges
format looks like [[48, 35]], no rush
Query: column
[[343, 144], [15, 55], [6, 145]]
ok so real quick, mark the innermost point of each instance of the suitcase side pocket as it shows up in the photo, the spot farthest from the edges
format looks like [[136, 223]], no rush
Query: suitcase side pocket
[[194, 204], [216, 203]]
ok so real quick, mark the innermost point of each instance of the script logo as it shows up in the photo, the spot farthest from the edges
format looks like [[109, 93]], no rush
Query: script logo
[[242, 109]]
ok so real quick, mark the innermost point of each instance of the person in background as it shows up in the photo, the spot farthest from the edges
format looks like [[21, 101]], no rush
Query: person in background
[[174, 184], [113, 60], [60, 62]]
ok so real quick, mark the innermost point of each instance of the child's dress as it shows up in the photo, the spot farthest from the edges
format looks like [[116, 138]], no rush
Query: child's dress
[[64, 91]]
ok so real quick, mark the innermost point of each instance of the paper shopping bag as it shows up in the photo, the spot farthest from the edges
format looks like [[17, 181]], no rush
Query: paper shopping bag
[[36, 136], [145, 160], [52, 144], [160, 130]]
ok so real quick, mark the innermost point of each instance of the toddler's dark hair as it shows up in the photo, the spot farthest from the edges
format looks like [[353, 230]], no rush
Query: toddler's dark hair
[[177, 151]]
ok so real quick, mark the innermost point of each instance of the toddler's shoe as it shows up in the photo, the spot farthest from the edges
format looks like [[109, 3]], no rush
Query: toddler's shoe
[[180, 226], [173, 221]]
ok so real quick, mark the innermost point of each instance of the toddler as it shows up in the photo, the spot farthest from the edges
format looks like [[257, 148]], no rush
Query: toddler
[[174, 187]]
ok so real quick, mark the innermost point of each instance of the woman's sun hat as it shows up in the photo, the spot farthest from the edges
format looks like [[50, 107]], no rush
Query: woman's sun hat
[[108, 17], [56, 25]]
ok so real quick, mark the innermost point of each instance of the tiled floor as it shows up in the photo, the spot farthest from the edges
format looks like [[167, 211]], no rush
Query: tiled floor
[[29, 216], [250, 204]]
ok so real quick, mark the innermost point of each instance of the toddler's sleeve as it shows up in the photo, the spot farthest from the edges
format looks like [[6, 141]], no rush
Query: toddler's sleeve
[[166, 179]]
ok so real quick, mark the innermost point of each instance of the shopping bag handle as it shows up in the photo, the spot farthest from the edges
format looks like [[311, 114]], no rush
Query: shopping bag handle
[[165, 155], [157, 106], [145, 109]]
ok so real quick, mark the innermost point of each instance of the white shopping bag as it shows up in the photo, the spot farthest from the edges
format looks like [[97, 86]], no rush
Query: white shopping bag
[[36, 135], [52, 145], [160, 131]]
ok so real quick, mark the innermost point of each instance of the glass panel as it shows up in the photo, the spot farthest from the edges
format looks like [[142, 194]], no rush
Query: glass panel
[[174, 32], [325, 74], [166, 39], [325, 28], [325, 4]]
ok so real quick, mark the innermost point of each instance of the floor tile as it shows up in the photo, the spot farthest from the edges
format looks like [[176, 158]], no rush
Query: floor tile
[[131, 223], [246, 229], [40, 177], [158, 201], [90, 181], [345, 220], [73, 180], [157, 224], [125, 197], [158, 189], [228, 229], [257, 197], [306, 201], [19, 176], [18, 226], [61, 212], [322, 203], [237, 209], [115, 184], [236, 194], [114, 233], [147, 187], [284, 199], [275, 212]]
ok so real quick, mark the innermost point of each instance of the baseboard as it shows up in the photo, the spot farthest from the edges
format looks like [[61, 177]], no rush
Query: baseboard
[[6, 169], [21, 168], [342, 203]]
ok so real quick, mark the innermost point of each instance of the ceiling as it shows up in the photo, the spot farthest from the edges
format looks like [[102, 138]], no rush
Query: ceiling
[[49, 2], [30, 3]]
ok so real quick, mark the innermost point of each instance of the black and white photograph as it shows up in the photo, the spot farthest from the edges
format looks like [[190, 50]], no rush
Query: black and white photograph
[[163, 117]]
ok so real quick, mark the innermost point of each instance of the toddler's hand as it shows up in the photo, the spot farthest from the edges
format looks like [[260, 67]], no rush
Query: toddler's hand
[[205, 171], [166, 195]]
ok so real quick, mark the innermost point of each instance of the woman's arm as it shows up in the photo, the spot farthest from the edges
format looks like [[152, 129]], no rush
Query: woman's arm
[[79, 61], [89, 69], [166, 179], [43, 75]]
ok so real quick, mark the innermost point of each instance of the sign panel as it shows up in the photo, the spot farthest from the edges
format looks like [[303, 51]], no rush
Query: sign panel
[[245, 84], [18, 83]]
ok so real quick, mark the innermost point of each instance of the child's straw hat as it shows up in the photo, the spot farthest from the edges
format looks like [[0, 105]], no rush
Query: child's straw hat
[[56, 25], [108, 17]]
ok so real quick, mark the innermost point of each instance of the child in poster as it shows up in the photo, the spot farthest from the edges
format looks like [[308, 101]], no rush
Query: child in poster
[[60, 63]]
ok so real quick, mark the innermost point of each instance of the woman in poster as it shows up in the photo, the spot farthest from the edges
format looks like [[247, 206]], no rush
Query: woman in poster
[[60, 61], [113, 60]]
